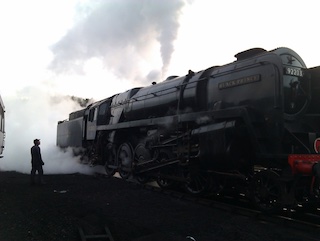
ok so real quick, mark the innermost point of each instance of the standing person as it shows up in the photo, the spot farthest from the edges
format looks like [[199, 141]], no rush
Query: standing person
[[36, 162]]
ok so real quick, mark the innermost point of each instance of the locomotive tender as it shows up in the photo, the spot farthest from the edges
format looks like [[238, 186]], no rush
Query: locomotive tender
[[252, 125]]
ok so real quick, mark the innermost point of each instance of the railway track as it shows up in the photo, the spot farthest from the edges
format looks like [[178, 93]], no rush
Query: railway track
[[303, 223]]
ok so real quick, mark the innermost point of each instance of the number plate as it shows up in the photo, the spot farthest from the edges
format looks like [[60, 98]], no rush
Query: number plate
[[294, 71]]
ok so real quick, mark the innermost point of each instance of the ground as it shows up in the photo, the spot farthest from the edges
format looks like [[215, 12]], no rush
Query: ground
[[55, 211]]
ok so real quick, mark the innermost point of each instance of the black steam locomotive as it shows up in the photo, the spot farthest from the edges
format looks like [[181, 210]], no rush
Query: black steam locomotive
[[252, 125]]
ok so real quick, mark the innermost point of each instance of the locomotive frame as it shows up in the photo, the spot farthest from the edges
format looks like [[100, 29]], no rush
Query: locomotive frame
[[251, 126]]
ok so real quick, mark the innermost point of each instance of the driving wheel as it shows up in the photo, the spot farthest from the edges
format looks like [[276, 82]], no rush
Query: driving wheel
[[266, 191], [141, 155], [162, 180], [110, 165], [125, 159], [197, 183]]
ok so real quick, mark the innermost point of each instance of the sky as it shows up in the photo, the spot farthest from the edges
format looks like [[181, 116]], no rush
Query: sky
[[53, 49]]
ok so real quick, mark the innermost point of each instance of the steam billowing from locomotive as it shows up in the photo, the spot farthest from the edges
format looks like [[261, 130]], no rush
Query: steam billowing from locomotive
[[108, 31], [30, 116], [120, 30]]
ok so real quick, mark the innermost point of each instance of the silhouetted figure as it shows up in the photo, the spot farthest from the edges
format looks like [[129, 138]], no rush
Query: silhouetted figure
[[36, 163]]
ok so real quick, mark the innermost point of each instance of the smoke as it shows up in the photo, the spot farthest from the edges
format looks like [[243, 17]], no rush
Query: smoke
[[33, 113], [122, 34], [130, 40]]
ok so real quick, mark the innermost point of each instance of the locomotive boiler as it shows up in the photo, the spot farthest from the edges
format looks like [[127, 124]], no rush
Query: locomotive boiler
[[252, 125]]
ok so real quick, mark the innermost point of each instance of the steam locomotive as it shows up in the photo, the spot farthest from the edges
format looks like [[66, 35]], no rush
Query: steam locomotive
[[252, 125]]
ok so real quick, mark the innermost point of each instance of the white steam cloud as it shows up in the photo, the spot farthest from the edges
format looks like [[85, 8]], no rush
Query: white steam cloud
[[34, 113], [121, 34], [124, 36]]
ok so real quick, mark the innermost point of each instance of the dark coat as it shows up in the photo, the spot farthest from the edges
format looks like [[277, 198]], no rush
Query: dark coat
[[36, 158]]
